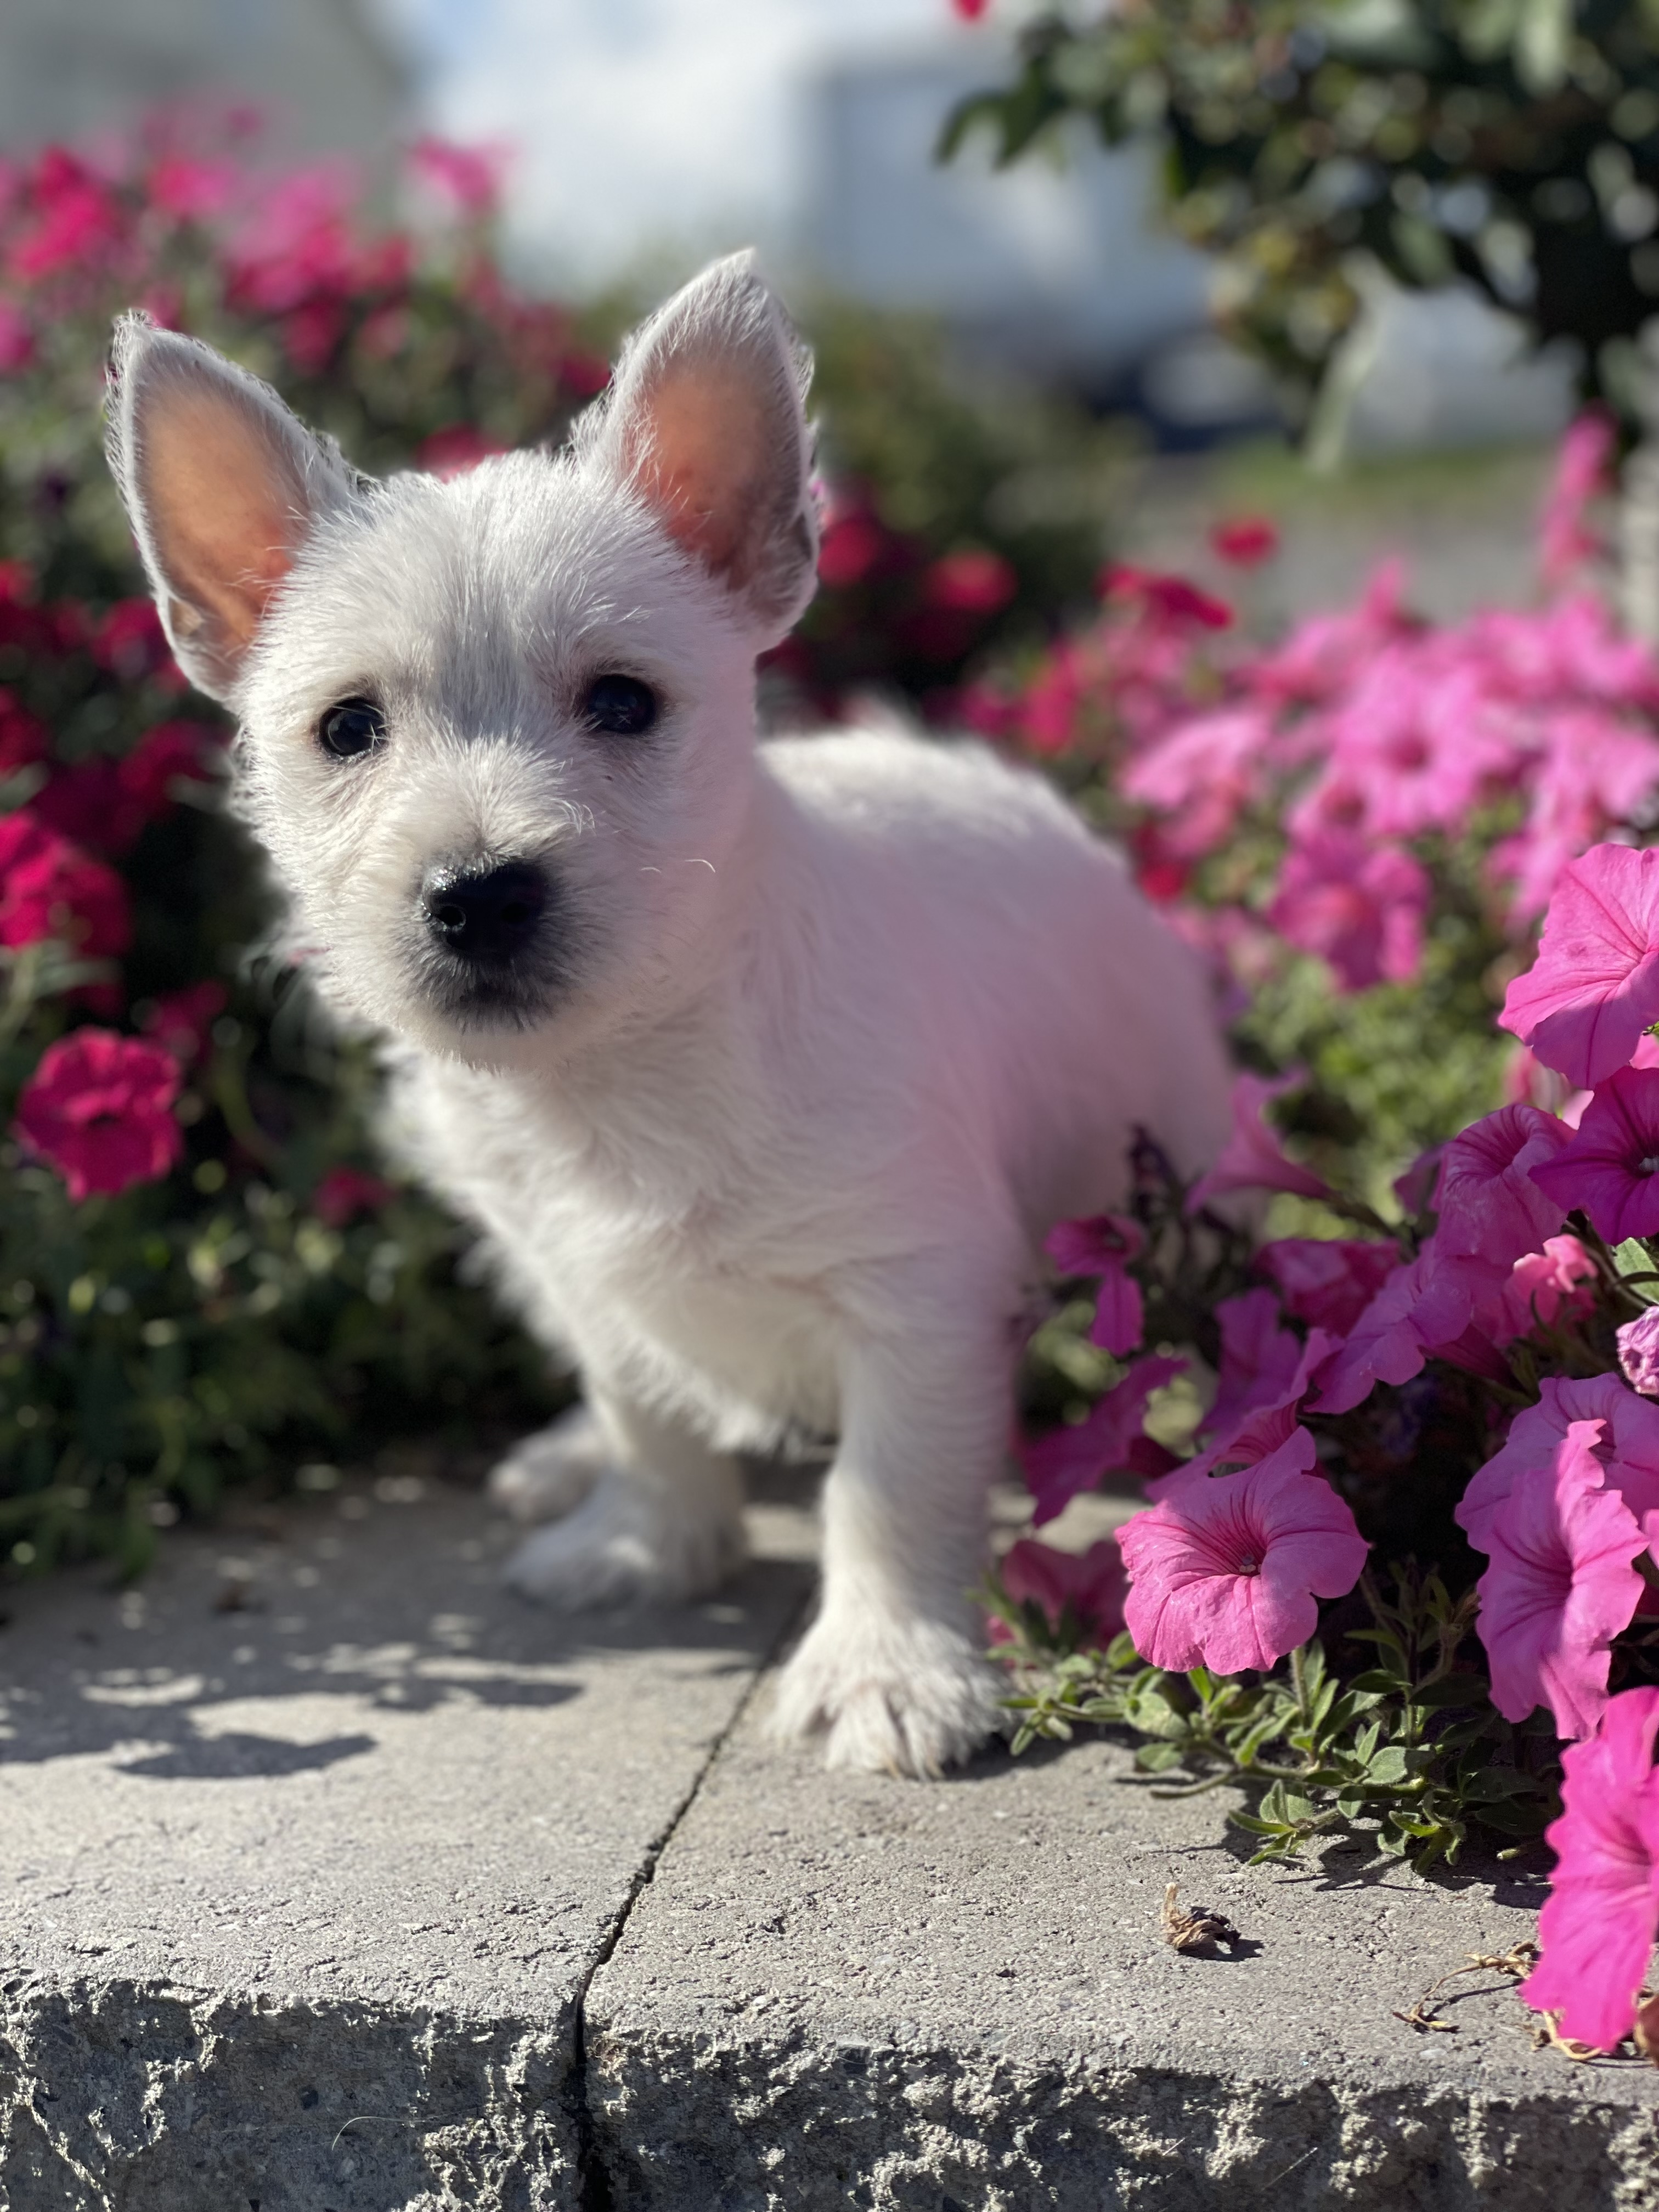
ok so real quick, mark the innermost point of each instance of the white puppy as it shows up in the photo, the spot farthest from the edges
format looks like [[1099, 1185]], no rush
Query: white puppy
[[765, 1068]]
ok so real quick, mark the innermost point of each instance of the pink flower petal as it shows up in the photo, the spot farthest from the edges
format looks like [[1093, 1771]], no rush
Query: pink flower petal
[[1595, 985]]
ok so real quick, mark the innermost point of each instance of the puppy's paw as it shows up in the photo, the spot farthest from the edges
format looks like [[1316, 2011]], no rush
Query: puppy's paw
[[546, 1476], [626, 1544], [888, 1696]]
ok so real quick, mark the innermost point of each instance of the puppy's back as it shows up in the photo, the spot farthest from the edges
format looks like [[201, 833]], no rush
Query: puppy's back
[[1071, 1011]]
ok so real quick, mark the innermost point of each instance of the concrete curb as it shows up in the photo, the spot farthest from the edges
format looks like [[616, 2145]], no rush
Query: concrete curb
[[335, 1881]]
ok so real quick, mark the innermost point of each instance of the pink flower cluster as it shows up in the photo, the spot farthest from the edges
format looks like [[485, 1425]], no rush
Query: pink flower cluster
[[1516, 1221], [1360, 741]]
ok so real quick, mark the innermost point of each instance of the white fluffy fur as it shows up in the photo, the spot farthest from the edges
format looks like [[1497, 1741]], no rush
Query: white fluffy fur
[[851, 1020]]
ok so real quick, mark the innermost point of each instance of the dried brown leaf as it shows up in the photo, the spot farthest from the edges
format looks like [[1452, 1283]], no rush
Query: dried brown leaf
[[1195, 1928]]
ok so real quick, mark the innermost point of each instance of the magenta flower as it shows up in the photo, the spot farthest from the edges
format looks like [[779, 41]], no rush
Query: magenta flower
[[1092, 1582], [1595, 985], [1628, 1449], [1251, 1158], [1061, 1466], [1611, 1165], [1103, 1246], [1419, 1308], [1328, 1282], [1260, 1360], [1560, 1587], [98, 1109], [1224, 1570], [1638, 1352], [344, 1193], [1490, 1207], [1598, 1923], [1357, 905]]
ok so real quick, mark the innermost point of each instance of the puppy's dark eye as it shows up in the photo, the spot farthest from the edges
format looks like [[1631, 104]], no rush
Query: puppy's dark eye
[[621, 705], [354, 726]]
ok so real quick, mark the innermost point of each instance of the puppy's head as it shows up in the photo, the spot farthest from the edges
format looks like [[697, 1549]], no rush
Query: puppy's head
[[496, 733]]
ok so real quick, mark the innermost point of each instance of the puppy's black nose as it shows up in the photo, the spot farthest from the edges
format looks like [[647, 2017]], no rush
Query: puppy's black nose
[[484, 915]]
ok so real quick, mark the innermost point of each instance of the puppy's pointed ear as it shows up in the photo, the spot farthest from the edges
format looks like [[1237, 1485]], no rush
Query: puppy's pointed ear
[[222, 486], [706, 419]]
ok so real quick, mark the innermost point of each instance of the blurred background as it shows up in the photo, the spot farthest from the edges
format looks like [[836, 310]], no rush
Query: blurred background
[[638, 138]]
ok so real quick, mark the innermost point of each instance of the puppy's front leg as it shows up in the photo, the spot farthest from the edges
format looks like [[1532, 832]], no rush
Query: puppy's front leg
[[891, 1670], [661, 1522]]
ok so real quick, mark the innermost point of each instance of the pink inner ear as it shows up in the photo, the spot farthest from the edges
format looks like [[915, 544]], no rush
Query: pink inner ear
[[224, 510], [701, 465]]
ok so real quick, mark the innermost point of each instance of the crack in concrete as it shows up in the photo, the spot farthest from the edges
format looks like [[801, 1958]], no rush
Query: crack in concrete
[[593, 2182]]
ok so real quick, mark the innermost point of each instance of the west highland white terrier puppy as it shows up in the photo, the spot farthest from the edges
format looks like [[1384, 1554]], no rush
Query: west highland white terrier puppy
[[764, 1067]]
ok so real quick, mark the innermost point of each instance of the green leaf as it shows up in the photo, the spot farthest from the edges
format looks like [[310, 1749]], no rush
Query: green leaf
[[1158, 1757], [1389, 1764], [1636, 1269], [1379, 1681]]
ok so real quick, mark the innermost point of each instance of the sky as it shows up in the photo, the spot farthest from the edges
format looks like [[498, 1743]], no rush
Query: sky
[[646, 130]]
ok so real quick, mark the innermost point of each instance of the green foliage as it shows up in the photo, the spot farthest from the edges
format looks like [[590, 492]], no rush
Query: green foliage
[[1401, 1758], [1514, 143]]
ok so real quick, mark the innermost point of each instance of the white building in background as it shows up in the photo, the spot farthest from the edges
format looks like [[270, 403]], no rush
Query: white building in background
[[1049, 262], [1058, 266], [323, 71]]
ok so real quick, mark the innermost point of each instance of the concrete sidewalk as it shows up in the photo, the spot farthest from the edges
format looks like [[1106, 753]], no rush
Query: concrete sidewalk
[[333, 1880]]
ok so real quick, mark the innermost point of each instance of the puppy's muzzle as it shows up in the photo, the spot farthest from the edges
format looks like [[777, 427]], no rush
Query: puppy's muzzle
[[486, 917]]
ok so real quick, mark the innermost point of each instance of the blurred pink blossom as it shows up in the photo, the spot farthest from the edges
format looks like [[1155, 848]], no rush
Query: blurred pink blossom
[[1582, 467], [1357, 905], [1328, 1282], [1059, 1466], [1251, 1158], [1101, 1246], [1093, 1584]]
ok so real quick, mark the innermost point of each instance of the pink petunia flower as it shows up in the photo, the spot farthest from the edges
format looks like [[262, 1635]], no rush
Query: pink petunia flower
[[1102, 1246], [1061, 1466], [182, 1021], [1611, 1165], [1542, 1289], [1224, 1571], [1593, 987], [48, 889], [1598, 1923], [1093, 1584], [344, 1193], [1420, 1307], [1251, 1158], [1357, 905], [1262, 1416], [1628, 1449], [98, 1109], [1561, 1585], [1638, 1352], [1199, 774], [1490, 1207], [1327, 1281], [1260, 1358]]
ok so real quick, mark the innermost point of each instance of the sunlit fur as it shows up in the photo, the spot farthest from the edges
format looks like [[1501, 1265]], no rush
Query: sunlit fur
[[824, 1034]]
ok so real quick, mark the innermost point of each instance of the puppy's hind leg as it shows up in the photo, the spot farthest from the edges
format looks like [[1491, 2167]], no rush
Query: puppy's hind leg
[[660, 1521]]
